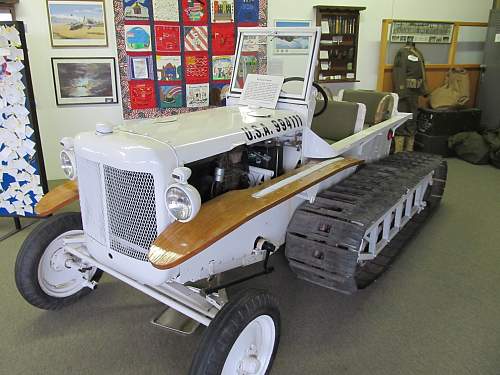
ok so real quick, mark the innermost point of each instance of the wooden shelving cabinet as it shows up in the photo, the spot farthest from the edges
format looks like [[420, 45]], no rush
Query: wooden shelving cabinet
[[339, 43]]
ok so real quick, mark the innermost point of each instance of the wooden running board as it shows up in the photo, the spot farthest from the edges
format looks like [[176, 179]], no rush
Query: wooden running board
[[57, 198], [221, 215]]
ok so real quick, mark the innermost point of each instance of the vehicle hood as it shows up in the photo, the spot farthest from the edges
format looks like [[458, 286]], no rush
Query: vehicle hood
[[200, 134]]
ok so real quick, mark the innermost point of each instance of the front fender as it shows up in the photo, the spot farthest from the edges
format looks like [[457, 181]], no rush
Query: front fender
[[57, 198]]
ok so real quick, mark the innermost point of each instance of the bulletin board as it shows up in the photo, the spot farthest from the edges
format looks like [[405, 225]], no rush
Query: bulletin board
[[22, 173], [177, 55]]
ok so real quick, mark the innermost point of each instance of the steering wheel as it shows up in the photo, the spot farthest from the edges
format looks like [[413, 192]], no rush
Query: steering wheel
[[318, 87]]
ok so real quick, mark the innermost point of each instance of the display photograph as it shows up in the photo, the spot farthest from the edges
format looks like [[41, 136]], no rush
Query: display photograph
[[292, 45], [77, 23], [84, 81]]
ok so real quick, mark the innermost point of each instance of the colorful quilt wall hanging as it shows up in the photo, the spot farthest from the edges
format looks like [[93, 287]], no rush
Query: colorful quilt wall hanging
[[176, 55]]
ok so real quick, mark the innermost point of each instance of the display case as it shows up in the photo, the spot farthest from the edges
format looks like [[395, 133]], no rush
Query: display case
[[339, 43]]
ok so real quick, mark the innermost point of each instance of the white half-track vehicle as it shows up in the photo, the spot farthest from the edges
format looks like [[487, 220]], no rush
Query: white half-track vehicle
[[169, 204]]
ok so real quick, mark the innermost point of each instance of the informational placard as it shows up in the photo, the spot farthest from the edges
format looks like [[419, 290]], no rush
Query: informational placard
[[22, 173], [421, 32], [261, 91]]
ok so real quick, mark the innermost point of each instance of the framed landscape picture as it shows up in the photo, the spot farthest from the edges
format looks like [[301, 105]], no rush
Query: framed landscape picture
[[85, 80], [77, 23], [292, 46]]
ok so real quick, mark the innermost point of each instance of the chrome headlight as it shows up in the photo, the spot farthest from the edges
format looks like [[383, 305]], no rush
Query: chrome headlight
[[183, 201], [68, 164]]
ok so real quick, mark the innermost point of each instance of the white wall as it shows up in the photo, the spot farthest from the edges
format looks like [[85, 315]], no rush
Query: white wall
[[57, 122], [371, 22]]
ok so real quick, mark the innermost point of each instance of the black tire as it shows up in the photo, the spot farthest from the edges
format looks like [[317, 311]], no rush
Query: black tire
[[369, 271], [223, 331], [30, 254]]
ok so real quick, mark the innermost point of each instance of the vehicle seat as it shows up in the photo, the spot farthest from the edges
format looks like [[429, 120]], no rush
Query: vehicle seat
[[340, 120], [380, 106]]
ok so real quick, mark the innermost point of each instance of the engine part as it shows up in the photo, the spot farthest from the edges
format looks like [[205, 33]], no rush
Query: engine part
[[267, 155]]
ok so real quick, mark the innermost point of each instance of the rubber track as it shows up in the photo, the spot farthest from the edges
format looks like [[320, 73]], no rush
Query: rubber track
[[323, 237]]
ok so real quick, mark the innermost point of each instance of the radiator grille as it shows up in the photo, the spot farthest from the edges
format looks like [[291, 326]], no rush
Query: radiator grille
[[131, 209]]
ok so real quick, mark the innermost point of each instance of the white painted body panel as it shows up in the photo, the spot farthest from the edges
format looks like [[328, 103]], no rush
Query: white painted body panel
[[158, 146], [128, 152], [133, 152], [201, 134], [143, 153]]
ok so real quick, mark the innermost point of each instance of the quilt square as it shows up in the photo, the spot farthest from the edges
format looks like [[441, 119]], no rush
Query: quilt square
[[222, 11], [168, 38], [222, 68], [137, 38], [197, 95], [140, 67], [223, 39], [142, 94], [170, 96], [166, 10], [169, 68], [196, 38], [247, 11], [196, 68], [194, 12], [136, 9]]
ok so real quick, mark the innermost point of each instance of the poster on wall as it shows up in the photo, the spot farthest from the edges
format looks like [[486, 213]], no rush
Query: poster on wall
[[89, 80], [22, 173], [292, 46], [176, 56], [421, 32], [77, 23]]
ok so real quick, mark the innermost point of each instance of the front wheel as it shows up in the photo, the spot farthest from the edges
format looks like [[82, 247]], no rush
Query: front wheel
[[242, 339], [43, 273]]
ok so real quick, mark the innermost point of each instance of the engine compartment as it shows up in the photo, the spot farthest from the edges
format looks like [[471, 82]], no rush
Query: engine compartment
[[242, 167]]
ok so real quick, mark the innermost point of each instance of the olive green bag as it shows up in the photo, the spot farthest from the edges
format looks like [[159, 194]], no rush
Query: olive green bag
[[470, 146], [492, 138]]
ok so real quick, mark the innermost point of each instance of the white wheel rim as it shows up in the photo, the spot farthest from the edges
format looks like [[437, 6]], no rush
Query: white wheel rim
[[252, 350], [54, 277]]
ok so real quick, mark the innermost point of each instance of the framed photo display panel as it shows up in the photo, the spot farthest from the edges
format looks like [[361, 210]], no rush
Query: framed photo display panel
[[77, 23], [89, 80], [296, 46]]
